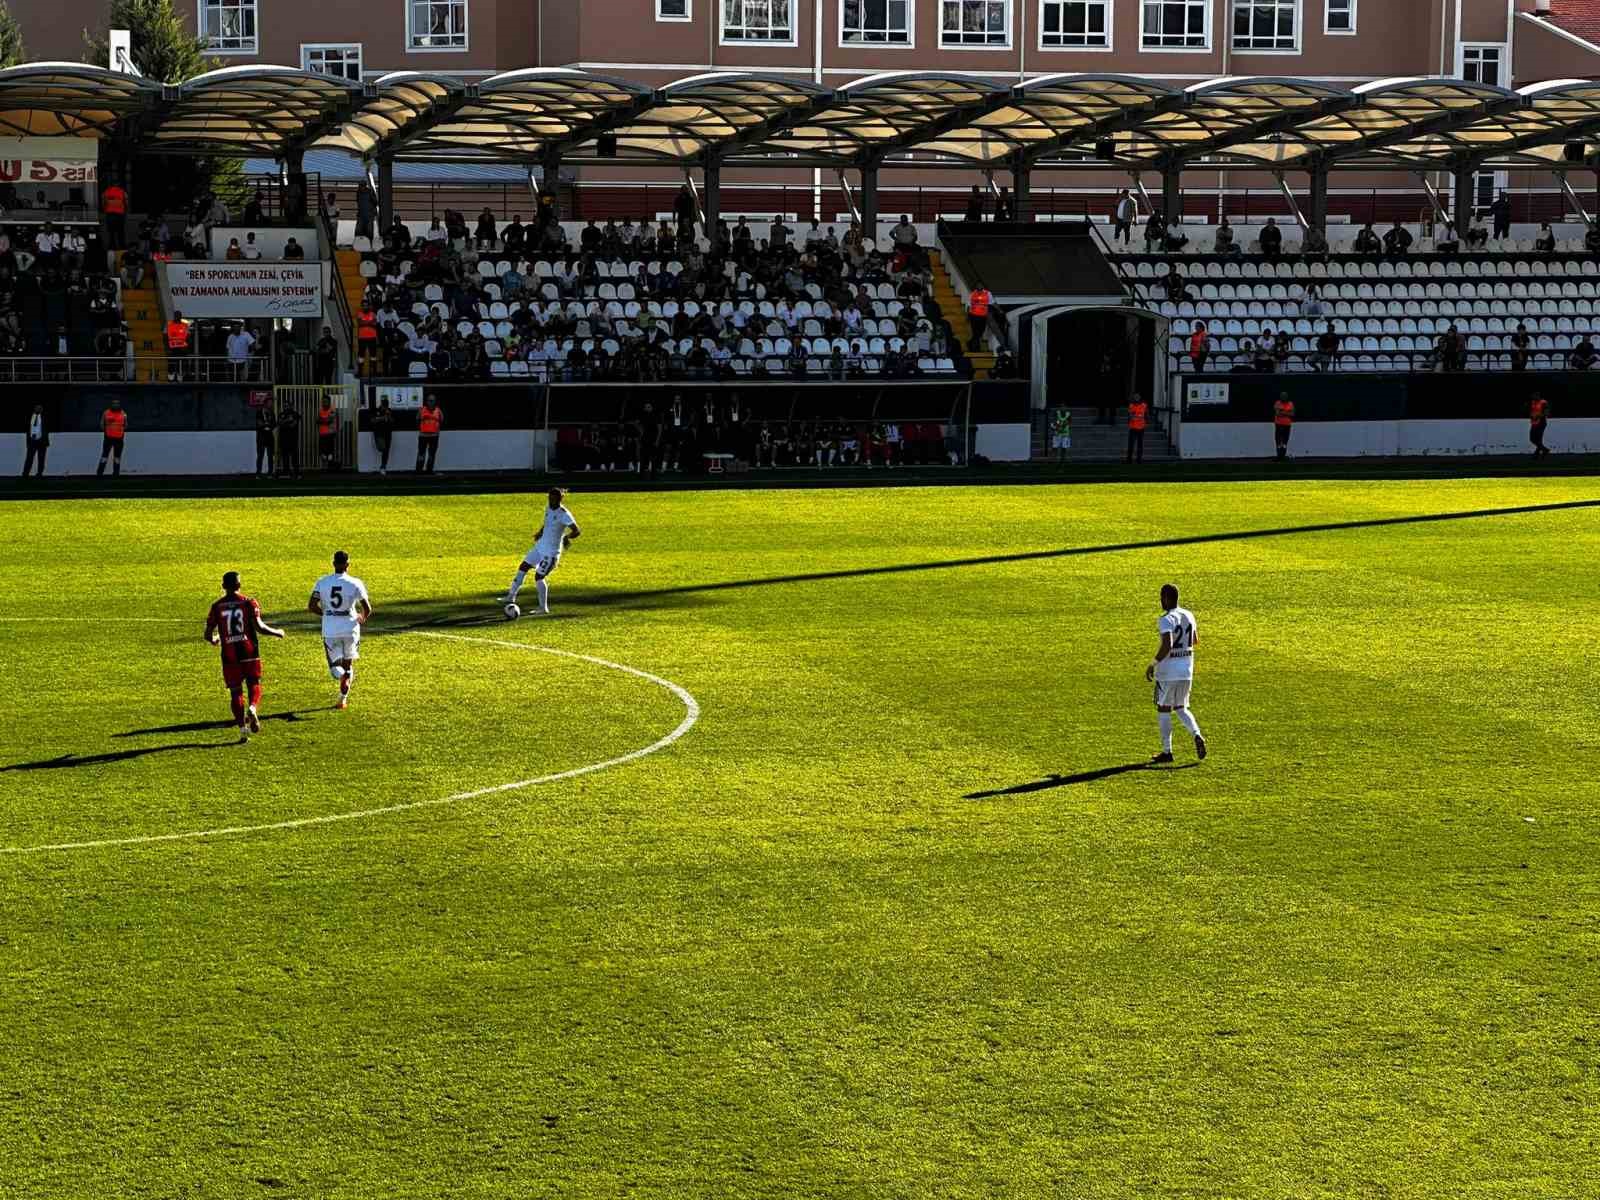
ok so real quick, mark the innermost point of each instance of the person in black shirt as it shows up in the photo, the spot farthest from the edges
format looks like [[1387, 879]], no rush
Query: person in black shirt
[[383, 434], [975, 204], [1271, 240], [327, 357], [1397, 242], [1327, 349], [1545, 243], [289, 442], [1367, 241], [1584, 355], [1520, 343], [266, 434], [1501, 211]]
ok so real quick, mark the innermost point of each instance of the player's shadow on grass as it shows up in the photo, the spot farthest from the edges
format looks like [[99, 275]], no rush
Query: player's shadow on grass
[[1057, 781], [412, 616], [94, 760], [205, 726]]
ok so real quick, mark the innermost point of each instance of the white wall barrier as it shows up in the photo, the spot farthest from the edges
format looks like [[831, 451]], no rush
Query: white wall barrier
[[460, 450], [1361, 439], [222, 452]]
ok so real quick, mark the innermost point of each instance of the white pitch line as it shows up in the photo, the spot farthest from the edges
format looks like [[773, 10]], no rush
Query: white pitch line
[[691, 714]]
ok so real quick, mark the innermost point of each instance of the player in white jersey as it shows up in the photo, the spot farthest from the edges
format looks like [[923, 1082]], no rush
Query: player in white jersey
[[340, 599], [545, 556], [1173, 672]]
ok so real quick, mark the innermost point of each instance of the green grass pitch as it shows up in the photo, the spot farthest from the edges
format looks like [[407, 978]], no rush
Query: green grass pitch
[[1353, 954]]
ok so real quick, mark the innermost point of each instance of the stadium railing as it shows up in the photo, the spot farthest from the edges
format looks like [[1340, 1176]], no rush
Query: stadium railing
[[91, 369]]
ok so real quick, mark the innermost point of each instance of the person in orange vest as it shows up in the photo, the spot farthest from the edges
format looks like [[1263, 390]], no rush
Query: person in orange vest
[[1138, 418], [1282, 423], [978, 314], [1199, 346], [114, 207], [178, 331], [366, 338], [430, 419], [113, 429], [328, 434], [1538, 422]]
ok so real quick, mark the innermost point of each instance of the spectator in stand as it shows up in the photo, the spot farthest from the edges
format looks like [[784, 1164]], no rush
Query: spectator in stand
[[38, 442], [683, 211], [778, 235], [114, 207], [1225, 243], [241, 346], [73, 250], [1175, 239], [366, 209], [251, 251], [590, 237], [1584, 355], [1449, 241], [1591, 240], [330, 210], [1450, 350], [1314, 245], [1271, 240], [1327, 350], [1199, 346], [1367, 241], [326, 356], [1545, 243], [1477, 235], [1004, 208], [1263, 359], [196, 243], [255, 213], [293, 251], [976, 208], [1500, 210], [1280, 349], [1155, 233], [1176, 286], [217, 214], [814, 236], [905, 233], [47, 247], [132, 269], [1397, 241], [484, 237], [978, 303], [1520, 346], [514, 235], [1122, 216], [1311, 304], [235, 252]]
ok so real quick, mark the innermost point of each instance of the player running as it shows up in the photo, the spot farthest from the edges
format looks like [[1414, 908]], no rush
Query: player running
[[1173, 672], [235, 624], [340, 599], [559, 529]]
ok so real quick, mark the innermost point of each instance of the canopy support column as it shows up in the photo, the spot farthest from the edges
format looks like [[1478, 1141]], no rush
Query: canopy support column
[[1318, 214], [711, 197], [1577, 201], [869, 201], [1021, 198], [385, 193], [1172, 193], [1463, 198]]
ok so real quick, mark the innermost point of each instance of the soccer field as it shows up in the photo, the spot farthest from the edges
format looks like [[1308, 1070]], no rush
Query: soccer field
[[829, 941]]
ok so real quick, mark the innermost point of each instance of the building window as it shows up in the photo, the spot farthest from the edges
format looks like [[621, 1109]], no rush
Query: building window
[[1481, 64], [1079, 24], [229, 26], [1266, 24], [875, 22], [341, 61], [758, 21], [975, 23], [672, 10], [1340, 17], [436, 24], [1176, 25]]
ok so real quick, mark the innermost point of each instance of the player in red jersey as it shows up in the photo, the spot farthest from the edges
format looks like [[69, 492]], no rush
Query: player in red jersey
[[235, 624]]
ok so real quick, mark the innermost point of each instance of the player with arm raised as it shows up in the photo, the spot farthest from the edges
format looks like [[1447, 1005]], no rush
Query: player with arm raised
[[235, 624], [559, 529], [1173, 672], [340, 599]]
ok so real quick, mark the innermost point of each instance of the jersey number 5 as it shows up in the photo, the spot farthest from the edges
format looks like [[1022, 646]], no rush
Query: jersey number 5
[[336, 596]]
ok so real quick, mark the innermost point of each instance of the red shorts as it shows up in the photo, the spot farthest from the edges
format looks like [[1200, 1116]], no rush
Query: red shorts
[[234, 674]]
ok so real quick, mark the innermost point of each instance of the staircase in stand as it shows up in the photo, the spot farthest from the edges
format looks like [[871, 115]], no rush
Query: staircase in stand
[[954, 310], [1093, 443], [141, 308], [355, 287]]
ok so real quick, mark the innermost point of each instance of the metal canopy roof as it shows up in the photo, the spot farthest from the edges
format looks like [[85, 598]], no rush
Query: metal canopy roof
[[767, 119]]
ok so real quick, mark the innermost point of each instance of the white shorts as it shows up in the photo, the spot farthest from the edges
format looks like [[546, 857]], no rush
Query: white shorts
[[543, 564], [340, 648], [1173, 693]]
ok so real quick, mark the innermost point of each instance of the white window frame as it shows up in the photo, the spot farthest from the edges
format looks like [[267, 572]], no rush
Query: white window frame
[[1111, 20], [255, 42], [1010, 29], [1299, 26], [1327, 14], [1146, 47], [792, 40], [411, 33], [306, 49], [911, 32], [688, 12], [1501, 64]]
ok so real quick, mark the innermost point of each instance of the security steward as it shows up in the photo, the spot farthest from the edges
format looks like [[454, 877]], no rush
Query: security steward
[[178, 337], [1282, 423], [1538, 422], [430, 419], [367, 347], [113, 429], [1138, 418], [978, 314], [328, 434]]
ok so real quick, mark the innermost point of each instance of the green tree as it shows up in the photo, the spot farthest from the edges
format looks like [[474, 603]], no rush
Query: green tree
[[12, 51], [166, 51]]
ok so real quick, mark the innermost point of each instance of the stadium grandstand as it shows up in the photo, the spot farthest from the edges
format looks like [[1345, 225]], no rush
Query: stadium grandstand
[[289, 281]]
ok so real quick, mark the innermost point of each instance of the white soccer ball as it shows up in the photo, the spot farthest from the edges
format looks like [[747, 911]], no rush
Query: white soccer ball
[[512, 612]]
